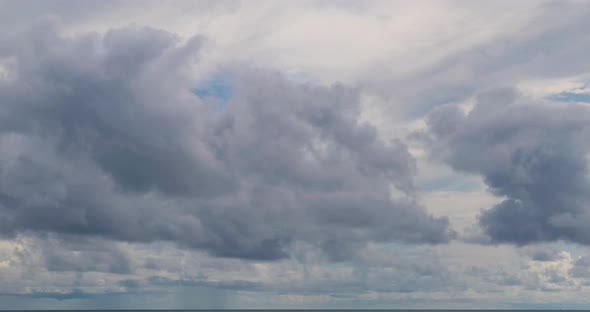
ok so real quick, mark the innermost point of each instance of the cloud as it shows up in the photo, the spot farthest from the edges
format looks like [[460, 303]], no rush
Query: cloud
[[581, 268], [542, 253], [533, 154], [93, 268], [105, 132], [142, 167], [84, 255]]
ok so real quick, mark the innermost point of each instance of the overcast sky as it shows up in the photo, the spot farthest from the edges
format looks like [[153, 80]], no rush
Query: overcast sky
[[294, 154]]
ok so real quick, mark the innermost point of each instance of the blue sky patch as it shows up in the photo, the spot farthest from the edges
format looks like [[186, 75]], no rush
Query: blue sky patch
[[571, 97], [217, 87]]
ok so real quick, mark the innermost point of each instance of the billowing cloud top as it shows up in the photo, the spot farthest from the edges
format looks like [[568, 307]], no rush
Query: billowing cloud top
[[102, 136], [534, 154]]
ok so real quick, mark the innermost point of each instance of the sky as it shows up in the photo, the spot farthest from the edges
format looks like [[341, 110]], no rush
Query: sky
[[294, 154]]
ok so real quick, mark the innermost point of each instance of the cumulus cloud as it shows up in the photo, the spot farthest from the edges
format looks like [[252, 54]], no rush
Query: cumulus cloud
[[94, 269], [84, 255], [542, 253], [533, 154], [581, 268], [547, 274], [101, 135]]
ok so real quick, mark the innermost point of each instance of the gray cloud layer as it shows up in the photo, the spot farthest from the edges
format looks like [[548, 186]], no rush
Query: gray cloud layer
[[535, 155], [100, 135]]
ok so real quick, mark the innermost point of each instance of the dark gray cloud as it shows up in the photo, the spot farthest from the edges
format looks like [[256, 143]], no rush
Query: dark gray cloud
[[100, 135], [533, 154], [581, 268], [372, 271], [542, 253], [84, 255]]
